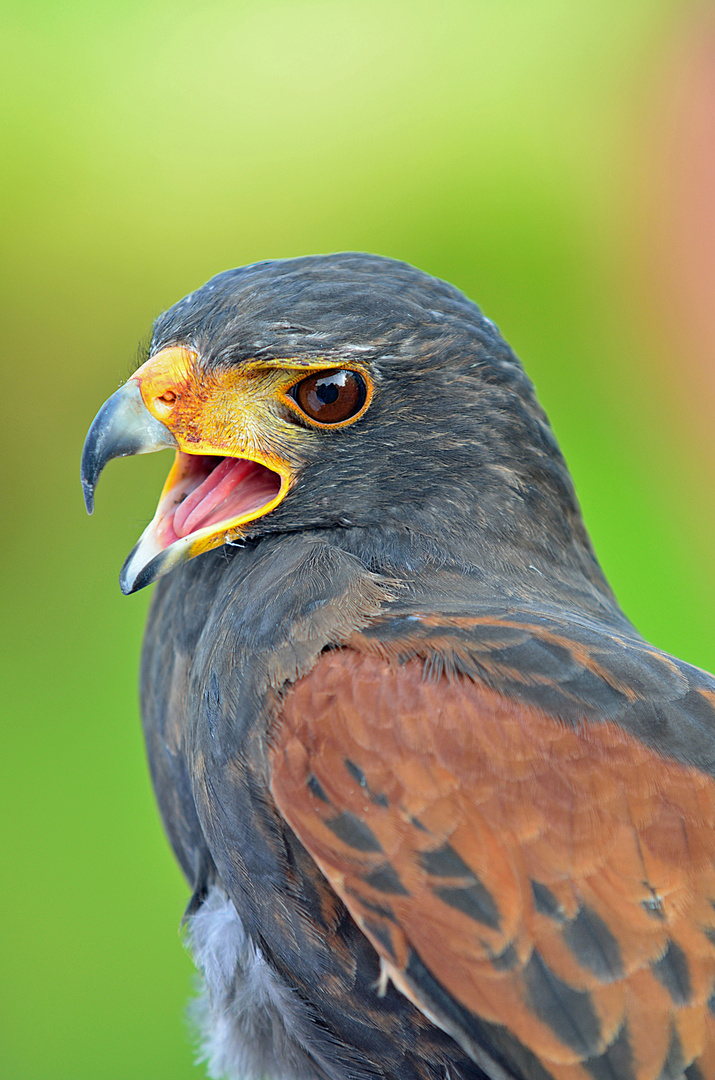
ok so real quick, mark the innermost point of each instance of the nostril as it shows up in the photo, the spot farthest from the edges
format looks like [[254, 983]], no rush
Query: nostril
[[164, 404]]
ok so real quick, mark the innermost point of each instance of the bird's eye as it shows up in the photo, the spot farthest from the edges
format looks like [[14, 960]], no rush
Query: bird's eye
[[331, 397]]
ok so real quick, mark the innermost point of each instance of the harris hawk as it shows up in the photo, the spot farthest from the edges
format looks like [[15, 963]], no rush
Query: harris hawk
[[446, 815]]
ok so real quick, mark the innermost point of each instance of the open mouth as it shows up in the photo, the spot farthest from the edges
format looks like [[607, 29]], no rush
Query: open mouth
[[206, 501], [203, 491]]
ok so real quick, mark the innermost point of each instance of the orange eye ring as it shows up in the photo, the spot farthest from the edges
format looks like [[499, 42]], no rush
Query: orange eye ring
[[332, 397]]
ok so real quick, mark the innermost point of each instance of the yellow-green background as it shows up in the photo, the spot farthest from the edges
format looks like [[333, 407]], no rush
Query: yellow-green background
[[507, 145]]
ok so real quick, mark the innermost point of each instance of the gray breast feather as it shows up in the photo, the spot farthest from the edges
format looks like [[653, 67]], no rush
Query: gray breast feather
[[251, 1025]]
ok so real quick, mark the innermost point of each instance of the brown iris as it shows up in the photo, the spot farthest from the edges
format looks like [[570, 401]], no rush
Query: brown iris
[[331, 397]]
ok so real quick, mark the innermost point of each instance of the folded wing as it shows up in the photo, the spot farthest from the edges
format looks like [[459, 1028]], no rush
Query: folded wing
[[539, 880]]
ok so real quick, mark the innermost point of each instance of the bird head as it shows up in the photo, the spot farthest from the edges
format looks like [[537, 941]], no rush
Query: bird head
[[337, 392]]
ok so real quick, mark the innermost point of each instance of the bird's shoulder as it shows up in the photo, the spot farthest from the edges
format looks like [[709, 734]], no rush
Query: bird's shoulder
[[560, 661]]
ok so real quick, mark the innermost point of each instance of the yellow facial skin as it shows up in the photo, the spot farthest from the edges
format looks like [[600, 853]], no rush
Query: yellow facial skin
[[233, 412], [242, 412], [221, 413]]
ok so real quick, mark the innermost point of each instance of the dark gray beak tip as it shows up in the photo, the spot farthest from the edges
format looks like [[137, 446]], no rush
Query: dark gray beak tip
[[88, 492], [141, 568]]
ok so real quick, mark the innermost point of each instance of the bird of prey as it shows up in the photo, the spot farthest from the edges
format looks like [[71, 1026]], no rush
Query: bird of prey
[[444, 813]]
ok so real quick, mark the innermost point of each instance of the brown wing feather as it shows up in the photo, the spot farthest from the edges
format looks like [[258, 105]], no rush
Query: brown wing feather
[[554, 882]]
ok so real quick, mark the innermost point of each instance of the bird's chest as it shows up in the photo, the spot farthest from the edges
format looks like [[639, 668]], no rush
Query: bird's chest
[[223, 643]]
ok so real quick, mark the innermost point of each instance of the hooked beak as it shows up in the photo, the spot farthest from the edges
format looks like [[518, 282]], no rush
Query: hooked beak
[[122, 427], [220, 481]]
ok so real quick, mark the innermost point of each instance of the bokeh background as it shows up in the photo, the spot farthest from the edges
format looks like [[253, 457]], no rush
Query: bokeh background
[[554, 160]]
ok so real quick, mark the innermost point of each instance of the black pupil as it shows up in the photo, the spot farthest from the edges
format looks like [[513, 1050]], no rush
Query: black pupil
[[331, 397], [328, 390]]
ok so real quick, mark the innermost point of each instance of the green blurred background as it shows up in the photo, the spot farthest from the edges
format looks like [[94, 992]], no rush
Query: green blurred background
[[545, 156]]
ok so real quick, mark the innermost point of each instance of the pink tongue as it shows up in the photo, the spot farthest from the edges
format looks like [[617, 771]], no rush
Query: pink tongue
[[215, 489]]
